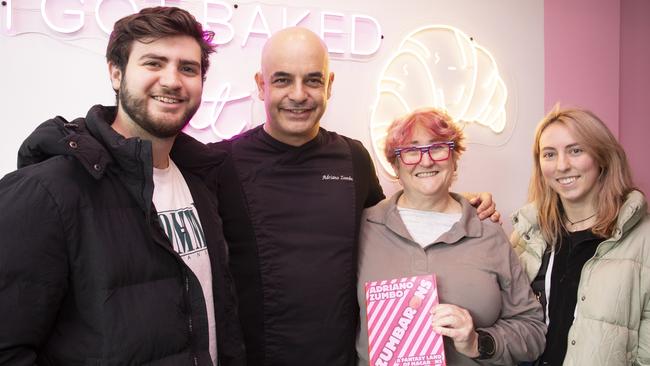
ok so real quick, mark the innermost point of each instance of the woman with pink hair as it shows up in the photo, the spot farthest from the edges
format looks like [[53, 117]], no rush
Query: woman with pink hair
[[487, 311]]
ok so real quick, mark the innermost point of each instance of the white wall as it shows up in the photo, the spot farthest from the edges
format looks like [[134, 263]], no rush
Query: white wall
[[44, 73]]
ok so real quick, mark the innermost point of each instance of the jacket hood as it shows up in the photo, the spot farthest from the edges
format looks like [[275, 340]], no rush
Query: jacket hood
[[632, 211], [634, 208], [97, 147], [58, 137], [526, 216]]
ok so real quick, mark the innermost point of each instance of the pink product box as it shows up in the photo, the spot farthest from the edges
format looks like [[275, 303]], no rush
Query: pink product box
[[399, 322]]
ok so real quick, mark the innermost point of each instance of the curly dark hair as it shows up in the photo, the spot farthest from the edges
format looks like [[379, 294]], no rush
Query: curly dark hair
[[151, 24]]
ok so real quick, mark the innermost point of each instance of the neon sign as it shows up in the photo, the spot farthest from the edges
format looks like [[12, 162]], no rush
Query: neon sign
[[228, 105], [71, 17], [438, 66]]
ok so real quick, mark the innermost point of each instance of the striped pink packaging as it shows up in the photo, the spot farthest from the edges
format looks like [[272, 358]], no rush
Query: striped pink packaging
[[399, 322]]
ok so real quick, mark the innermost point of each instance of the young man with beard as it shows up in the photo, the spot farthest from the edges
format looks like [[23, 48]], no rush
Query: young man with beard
[[291, 196], [111, 254]]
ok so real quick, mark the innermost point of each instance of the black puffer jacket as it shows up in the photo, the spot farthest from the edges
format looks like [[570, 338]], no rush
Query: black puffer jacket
[[87, 276]]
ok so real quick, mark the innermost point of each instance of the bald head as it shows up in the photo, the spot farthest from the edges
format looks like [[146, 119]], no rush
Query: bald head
[[295, 83], [296, 40]]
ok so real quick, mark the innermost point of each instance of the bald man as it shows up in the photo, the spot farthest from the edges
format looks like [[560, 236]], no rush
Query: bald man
[[295, 94], [291, 197]]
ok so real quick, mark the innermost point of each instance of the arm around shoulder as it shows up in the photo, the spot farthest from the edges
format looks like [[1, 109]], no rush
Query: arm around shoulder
[[33, 268]]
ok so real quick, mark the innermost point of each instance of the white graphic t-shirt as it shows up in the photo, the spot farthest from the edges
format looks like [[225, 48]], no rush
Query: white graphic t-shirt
[[180, 221]]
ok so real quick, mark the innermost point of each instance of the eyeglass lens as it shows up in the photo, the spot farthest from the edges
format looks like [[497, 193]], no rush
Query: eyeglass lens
[[436, 152]]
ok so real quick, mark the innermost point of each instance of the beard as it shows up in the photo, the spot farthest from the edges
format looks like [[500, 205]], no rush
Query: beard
[[136, 109]]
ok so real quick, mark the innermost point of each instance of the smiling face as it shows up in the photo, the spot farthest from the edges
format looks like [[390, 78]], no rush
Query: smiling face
[[295, 84], [160, 88], [428, 180], [566, 167]]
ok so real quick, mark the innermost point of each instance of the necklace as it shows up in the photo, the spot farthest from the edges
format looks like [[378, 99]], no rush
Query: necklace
[[579, 221]]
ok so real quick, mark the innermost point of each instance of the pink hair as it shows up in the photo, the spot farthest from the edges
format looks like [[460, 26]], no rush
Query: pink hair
[[436, 121]]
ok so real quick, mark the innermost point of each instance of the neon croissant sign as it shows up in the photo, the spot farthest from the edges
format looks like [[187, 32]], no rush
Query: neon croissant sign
[[438, 66]]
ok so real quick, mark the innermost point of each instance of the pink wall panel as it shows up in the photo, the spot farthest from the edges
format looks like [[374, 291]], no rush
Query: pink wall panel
[[635, 88], [581, 45], [597, 56]]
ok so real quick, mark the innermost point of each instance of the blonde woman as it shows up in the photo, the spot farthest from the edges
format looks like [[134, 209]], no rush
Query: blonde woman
[[584, 242]]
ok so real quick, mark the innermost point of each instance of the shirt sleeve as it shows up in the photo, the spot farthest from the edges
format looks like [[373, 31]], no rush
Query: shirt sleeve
[[375, 193], [33, 268], [203, 160], [520, 332]]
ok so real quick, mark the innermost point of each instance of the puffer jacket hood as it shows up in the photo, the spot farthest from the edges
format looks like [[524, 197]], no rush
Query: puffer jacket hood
[[130, 158]]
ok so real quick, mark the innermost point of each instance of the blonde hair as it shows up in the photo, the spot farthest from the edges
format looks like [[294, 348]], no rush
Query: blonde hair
[[612, 186]]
